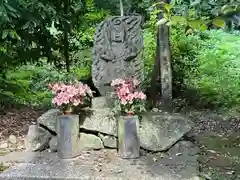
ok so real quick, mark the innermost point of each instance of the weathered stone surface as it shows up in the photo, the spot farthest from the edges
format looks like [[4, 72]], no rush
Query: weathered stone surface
[[31, 135], [117, 51], [48, 166], [53, 144], [68, 136], [12, 139], [89, 142], [49, 119], [108, 141], [128, 137], [159, 131], [3, 145], [37, 138], [101, 102], [100, 120]]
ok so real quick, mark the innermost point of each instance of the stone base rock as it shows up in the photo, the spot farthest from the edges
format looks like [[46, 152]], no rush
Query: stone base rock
[[90, 142], [49, 119], [108, 141], [100, 117], [53, 144], [160, 131], [37, 138]]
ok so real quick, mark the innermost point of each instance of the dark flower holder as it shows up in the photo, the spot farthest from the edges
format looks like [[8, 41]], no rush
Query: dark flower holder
[[128, 139], [68, 136]]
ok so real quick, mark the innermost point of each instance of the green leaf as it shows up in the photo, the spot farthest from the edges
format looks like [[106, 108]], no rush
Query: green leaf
[[195, 3], [26, 25], [203, 27], [227, 9], [168, 7], [5, 33], [178, 20], [219, 22], [197, 24]]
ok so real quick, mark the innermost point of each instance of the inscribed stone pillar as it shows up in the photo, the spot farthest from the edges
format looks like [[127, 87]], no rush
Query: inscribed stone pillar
[[117, 51]]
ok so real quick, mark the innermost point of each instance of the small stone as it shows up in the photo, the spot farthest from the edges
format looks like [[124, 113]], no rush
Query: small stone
[[53, 144], [179, 154], [90, 142], [230, 173], [155, 110], [4, 145], [12, 139], [108, 141], [20, 147]]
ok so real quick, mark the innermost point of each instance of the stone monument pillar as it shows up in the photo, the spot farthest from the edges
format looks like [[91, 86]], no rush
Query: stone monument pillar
[[117, 51]]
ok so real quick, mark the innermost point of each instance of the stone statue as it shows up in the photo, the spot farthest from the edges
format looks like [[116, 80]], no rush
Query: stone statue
[[117, 51]]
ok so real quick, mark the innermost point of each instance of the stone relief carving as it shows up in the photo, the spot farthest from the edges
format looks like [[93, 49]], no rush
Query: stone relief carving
[[117, 51]]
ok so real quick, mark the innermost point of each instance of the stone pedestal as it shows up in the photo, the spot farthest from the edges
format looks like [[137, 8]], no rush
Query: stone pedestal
[[128, 139], [68, 136]]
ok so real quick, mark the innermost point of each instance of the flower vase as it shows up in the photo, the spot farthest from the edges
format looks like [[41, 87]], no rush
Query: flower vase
[[68, 136], [128, 138]]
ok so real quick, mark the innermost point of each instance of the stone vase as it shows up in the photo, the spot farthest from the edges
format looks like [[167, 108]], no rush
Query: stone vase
[[68, 136], [128, 138]]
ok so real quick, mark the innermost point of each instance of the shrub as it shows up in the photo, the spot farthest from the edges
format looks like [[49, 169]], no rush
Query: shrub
[[206, 66], [218, 74], [148, 55], [32, 81]]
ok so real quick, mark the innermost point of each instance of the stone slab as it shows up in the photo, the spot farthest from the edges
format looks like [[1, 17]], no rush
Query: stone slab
[[104, 164]]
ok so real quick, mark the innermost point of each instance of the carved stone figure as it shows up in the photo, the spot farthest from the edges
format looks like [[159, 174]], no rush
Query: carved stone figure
[[117, 51]]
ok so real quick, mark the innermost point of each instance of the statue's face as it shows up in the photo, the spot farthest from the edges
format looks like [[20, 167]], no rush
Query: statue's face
[[118, 32]]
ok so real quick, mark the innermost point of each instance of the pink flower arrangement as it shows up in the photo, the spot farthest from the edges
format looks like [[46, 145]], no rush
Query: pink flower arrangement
[[70, 95], [128, 97]]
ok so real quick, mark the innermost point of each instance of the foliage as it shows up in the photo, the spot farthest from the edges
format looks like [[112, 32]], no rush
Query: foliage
[[184, 62], [129, 101], [217, 77], [28, 84], [206, 68], [199, 14]]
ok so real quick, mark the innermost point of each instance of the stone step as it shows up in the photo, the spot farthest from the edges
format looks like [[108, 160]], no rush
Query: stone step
[[95, 165], [27, 171]]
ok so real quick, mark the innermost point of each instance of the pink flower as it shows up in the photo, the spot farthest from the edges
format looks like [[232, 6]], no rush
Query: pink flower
[[127, 95], [140, 95], [70, 94]]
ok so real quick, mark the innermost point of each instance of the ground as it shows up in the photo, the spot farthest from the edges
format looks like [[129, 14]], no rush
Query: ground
[[218, 137]]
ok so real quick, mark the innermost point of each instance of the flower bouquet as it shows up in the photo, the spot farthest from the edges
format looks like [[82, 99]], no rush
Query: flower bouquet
[[69, 96], [129, 101]]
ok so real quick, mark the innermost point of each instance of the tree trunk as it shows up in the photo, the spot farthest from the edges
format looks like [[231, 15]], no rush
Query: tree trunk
[[163, 59], [66, 31]]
